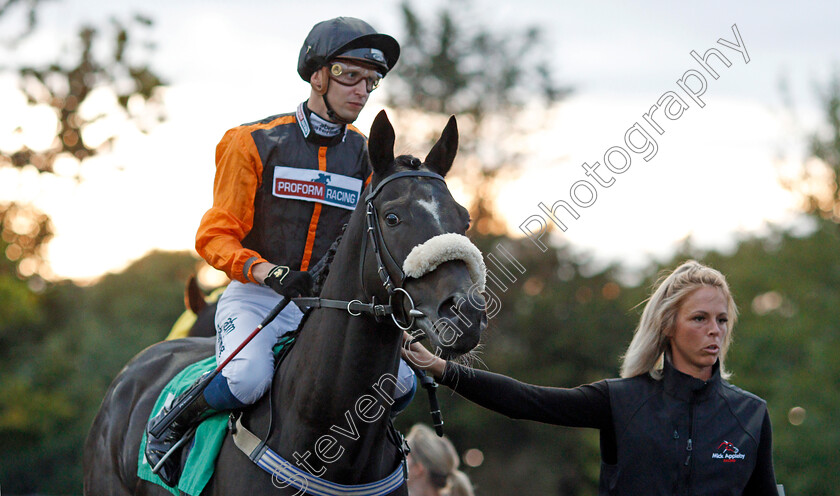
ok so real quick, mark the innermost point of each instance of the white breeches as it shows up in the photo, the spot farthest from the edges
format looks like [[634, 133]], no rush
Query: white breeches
[[241, 309]]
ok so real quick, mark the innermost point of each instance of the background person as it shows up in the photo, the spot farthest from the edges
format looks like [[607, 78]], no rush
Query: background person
[[433, 465], [672, 424]]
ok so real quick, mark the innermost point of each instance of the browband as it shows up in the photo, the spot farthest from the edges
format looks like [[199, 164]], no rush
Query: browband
[[398, 175]]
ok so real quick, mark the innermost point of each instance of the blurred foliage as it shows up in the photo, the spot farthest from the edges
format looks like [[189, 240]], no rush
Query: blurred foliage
[[66, 88], [102, 65], [816, 183], [499, 83], [24, 234], [826, 147], [456, 64], [59, 356], [30, 9]]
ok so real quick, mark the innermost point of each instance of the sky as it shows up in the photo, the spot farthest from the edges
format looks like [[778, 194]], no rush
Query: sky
[[713, 176]]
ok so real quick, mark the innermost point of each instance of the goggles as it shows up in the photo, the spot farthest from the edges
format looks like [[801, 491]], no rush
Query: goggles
[[350, 74]]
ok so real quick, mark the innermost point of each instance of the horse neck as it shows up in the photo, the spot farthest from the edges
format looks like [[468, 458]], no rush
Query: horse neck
[[340, 371], [367, 347]]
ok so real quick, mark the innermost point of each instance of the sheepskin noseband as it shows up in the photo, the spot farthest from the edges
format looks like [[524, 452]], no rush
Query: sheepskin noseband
[[442, 248]]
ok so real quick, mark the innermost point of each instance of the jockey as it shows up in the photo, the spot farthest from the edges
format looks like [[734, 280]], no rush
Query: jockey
[[271, 221]]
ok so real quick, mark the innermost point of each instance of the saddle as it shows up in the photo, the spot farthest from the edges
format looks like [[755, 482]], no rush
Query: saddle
[[198, 458]]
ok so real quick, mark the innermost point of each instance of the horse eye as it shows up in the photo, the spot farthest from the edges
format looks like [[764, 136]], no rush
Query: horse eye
[[392, 220]]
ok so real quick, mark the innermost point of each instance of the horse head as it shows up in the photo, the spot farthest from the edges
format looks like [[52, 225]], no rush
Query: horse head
[[424, 264]]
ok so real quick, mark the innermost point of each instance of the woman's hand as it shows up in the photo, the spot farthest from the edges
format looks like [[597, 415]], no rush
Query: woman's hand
[[418, 356]]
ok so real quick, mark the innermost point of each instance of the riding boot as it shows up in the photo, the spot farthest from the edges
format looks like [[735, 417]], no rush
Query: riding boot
[[157, 447]]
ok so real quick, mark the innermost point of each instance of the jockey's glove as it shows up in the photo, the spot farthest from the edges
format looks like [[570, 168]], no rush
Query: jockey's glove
[[289, 283]]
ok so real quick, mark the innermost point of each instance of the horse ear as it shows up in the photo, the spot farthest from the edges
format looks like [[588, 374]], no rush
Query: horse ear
[[193, 299], [442, 155], [381, 143]]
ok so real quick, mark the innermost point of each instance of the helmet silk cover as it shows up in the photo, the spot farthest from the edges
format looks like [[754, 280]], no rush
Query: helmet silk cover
[[346, 37]]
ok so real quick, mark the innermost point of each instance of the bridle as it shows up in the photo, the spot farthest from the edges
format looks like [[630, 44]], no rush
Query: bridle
[[383, 255], [397, 295]]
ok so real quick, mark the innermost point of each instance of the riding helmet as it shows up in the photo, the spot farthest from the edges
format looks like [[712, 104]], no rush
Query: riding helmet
[[346, 37]]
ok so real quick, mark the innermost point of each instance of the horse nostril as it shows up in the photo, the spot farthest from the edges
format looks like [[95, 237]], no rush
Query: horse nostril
[[459, 325], [447, 308], [458, 310]]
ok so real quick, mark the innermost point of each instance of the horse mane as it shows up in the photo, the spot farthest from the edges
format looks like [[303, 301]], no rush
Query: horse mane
[[322, 268], [409, 162]]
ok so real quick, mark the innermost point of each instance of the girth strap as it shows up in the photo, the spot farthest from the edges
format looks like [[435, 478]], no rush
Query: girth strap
[[284, 472]]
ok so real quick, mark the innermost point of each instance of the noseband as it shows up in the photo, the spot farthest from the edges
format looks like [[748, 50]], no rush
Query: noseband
[[383, 259]]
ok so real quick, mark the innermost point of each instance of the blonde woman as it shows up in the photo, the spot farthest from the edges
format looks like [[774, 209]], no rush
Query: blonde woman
[[433, 466], [672, 424]]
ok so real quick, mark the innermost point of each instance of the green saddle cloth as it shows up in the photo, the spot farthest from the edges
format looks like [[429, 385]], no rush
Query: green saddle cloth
[[201, 460]]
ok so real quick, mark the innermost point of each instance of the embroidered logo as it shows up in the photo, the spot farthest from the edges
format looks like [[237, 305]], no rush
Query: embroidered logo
[[728, 452], [323, 187], [223, 330]]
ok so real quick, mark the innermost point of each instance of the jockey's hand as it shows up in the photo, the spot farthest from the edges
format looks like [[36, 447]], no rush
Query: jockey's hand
[[289, 283]]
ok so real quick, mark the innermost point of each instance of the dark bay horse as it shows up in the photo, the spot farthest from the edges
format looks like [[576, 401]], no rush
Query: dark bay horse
[[340, 357], [197, 320]]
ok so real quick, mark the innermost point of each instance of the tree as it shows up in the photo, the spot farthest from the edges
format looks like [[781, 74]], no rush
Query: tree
[[24, 232], [66, 89], [498, 84], [31, 9], [56, 364], [817, 181], [59, 346]]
